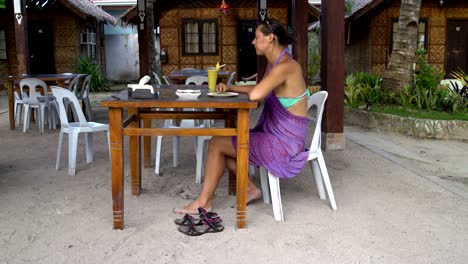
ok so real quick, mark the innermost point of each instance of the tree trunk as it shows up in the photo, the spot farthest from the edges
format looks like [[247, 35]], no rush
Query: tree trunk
[[399, 71]]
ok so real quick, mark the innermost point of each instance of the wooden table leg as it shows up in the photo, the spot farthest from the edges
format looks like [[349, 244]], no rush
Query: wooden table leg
[[116, 143], [147, 144], [135, 159], [242, 164], [11, 101], [229, 122], [61, 83]]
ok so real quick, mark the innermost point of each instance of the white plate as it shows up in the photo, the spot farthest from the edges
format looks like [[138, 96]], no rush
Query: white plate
[[188, 95], [225, 94]]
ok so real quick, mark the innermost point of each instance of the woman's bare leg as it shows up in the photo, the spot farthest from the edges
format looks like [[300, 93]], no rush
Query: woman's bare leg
[[253, 192], [219, 148]]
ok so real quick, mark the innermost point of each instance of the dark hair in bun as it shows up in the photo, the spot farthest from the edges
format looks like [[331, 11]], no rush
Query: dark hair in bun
[[277, 28]]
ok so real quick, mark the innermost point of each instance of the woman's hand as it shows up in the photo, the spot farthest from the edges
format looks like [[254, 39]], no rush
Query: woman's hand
[[221, 87]]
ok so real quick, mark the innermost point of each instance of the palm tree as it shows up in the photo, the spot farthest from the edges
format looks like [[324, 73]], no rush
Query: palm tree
[[399, 71]]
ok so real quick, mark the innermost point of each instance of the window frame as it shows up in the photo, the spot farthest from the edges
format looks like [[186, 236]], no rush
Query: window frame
[[426, 33], [200, 23], [6, 45]]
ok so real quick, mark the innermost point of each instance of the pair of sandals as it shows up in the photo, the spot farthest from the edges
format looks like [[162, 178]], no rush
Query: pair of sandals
[[209, 222]]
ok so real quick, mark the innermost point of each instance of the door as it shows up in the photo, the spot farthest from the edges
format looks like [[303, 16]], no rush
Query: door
[[41, 48], [247, 58], [457, 47]]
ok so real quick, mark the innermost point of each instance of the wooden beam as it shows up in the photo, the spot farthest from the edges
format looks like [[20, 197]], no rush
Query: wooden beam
[[261, 60], [145, 35], [21, 41], [300, 33], [332, 71]]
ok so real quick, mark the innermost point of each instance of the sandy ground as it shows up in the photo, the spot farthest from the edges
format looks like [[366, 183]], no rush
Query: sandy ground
[[389, 209]]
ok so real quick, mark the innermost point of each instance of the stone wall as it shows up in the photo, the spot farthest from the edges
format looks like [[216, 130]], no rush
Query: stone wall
[[422, 128]]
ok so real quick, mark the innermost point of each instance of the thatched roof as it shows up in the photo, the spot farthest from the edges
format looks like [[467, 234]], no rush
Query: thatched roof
[[313, 14], [86, 8], [361, 7]]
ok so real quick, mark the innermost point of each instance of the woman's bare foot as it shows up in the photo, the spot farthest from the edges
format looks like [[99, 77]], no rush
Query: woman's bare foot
[[253, 193], [192, 208]]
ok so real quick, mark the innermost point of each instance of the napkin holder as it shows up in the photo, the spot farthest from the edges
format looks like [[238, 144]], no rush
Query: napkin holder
[[141, 91]]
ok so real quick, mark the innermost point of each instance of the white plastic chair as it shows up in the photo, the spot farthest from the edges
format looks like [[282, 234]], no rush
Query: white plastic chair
[[157, 79], [316, 162], [18, 106], [197, 80], [167, 80], [74, 128], [38, 102], [144, 80], [231, 78], [83, 96]]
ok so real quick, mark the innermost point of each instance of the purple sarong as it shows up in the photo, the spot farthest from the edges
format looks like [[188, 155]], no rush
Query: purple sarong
[[277, 142]]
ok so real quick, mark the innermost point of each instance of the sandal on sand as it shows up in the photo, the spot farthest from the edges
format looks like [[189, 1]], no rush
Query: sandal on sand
[[188, 219], [210, 216], [196, 230]]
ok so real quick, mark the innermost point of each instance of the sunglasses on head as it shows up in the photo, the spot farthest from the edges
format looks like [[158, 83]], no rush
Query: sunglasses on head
[[269, 26]]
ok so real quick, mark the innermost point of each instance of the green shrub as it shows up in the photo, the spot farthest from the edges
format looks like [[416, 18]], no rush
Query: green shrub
[[426, 83], [363, 88], [98, 83], [313, 67]]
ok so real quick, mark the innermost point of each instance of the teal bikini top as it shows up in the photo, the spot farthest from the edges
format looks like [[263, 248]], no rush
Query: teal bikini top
[[287, 102]]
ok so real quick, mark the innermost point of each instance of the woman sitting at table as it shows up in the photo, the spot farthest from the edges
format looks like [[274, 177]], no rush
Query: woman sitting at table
[[278, 140]]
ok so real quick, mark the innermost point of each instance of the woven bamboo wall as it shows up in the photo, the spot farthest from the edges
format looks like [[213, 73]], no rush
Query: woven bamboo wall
[[8, 67], [436, 16], [66, 40], [171, 34]]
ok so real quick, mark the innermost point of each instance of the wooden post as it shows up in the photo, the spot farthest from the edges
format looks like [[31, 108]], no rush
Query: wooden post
[[300, 32], [332, 72], [261, 60], [21, 42], [145, 37]]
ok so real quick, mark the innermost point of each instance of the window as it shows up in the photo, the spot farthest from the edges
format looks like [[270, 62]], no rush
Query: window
[[3, 51], [422, 33], [200, 36], [88, 41]]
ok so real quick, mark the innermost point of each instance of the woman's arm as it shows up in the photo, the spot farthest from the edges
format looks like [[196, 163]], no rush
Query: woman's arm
[[245, 89]]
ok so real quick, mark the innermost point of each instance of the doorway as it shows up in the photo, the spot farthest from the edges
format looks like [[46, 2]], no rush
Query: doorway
[[41, 48], [247, 57], [457, 47]]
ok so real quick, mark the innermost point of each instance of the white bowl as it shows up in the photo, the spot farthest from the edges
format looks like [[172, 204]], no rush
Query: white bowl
[[186, 95]]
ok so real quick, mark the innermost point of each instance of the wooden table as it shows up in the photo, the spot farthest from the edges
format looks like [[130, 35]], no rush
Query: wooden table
[[148, 109], [179, 76], [59, 79]]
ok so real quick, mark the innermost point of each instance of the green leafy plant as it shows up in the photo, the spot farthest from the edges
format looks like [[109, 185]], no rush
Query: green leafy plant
[[362, 89], [460, 90], [405, 98], [98, 83], [353, 90], [426, 83], [313, 67]]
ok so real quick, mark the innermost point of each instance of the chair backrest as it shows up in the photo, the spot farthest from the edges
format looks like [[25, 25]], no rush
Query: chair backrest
[[75, 84], [197, 79], [84, 93], [318, 99], [157, 78], [231, 78], [62, 93], [32, 84], [144, 80], [167, 79]]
